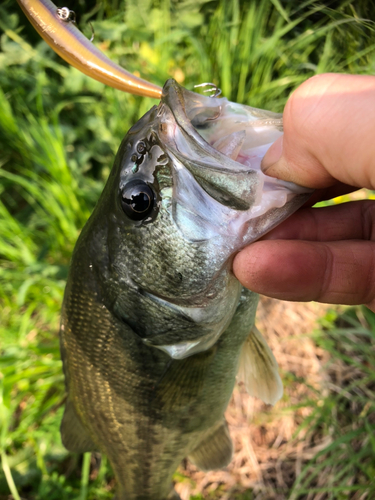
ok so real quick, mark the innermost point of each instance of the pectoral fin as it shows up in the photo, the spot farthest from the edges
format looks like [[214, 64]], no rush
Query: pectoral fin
[[183, 380], [215, 451], [73, 435], [258, 369]]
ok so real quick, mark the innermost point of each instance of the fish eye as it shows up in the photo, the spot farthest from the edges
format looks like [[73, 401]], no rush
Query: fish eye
[[137, 200]]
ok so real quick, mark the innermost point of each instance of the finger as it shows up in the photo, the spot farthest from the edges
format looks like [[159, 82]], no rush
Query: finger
[[340, 272], [329, 126], [347, 221]]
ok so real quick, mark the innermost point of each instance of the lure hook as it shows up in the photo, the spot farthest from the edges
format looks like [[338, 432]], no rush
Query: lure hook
[[69, 16], [214, 88], [66, 15], [92, 32]]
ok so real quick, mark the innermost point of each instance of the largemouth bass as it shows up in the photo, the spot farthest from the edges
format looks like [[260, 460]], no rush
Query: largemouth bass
[[155, 326]]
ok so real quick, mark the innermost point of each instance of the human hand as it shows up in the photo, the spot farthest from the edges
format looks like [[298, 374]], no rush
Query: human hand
[[322, 254]]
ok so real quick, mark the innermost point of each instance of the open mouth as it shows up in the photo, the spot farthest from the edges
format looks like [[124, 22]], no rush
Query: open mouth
[[244, 134], [217, 147]]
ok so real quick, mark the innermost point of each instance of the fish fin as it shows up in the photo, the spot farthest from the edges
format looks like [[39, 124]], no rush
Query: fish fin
[[183, 380], [73, 435], [214, 451], [259, 370]]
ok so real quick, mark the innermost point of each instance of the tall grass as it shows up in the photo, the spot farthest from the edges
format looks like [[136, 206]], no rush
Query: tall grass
[[59, 131]]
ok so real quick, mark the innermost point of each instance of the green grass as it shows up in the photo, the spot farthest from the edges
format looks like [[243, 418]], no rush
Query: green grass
[[345, 411], [59, 131]]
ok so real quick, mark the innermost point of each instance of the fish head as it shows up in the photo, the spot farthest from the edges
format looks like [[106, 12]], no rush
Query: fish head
[[185, 194]]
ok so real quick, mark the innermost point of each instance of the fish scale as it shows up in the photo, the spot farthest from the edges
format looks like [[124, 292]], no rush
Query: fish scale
[[184, 258]]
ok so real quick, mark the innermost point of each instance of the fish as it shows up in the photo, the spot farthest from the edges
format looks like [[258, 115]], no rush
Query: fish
[[155, 327]]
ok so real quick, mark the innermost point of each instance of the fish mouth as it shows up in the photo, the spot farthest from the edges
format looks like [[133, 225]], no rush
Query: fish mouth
[[216, 147]]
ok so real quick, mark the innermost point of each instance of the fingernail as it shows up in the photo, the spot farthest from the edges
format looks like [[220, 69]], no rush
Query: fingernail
[[272, 155]]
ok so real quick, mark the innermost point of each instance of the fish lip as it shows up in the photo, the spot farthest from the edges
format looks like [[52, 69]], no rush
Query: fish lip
[[173, 97]]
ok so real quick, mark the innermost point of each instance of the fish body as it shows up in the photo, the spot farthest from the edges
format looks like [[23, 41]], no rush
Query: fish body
[[154, 324]]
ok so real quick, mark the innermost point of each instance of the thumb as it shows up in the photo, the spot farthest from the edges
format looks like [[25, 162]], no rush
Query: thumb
[[329, 126]]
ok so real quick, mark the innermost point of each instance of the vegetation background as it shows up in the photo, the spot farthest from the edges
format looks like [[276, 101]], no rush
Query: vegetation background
[[59, 132]]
